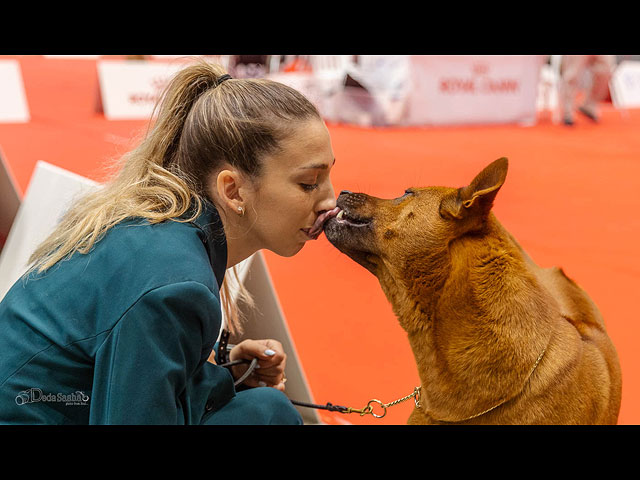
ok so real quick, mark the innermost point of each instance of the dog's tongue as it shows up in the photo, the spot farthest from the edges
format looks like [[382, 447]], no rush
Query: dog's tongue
[[320, 221]]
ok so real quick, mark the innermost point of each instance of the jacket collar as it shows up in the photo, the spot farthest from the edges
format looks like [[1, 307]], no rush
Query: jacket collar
[[214, 238]]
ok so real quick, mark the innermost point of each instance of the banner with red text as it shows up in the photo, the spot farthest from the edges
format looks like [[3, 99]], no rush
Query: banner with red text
[[473, 89], [130, 88]]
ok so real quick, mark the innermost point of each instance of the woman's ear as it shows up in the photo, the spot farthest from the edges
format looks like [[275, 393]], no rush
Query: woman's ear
[[228, 187]]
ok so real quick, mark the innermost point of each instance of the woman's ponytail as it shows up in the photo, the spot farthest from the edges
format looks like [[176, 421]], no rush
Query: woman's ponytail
[[174, 106]]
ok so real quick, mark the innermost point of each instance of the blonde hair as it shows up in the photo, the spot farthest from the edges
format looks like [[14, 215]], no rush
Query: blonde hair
[[200, 124]]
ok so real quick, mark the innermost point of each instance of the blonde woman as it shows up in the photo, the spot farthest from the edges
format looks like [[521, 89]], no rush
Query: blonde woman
[[119, 313]]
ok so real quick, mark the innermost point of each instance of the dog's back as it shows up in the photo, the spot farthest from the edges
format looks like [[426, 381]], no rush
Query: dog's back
[[586, 351], [587, 346]]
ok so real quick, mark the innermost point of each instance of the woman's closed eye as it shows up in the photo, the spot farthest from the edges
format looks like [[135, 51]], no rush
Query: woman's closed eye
[[308, 187]]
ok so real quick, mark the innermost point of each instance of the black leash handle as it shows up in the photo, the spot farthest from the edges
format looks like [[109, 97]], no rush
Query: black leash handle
[[222, 357], [328, 406]]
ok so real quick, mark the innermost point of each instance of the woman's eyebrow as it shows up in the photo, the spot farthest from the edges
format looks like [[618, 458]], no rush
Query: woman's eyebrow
[[322, 166]]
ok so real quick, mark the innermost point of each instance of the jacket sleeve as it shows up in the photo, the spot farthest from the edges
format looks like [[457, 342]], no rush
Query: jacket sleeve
[[144, 366]]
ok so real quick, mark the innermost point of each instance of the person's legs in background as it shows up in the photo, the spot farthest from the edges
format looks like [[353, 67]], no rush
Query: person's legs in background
[[571, 72], [601, 67]]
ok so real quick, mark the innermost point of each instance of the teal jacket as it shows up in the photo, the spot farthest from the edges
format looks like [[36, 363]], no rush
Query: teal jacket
[[120, 335]]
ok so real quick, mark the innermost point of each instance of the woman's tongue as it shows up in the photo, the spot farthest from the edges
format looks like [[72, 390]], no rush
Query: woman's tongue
[[316, 230]]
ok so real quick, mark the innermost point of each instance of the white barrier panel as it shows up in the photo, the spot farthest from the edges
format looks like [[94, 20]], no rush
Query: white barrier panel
[[625, 85], [130, 88], [9, 199], [473, 89], [13, 100], [51, 192]]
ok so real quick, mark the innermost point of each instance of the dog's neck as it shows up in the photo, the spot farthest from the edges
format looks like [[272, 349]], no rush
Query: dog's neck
[[477, 320], [414, 288]]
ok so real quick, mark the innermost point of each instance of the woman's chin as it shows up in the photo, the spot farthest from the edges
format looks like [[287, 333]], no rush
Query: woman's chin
[[295, 250], [289, 251]]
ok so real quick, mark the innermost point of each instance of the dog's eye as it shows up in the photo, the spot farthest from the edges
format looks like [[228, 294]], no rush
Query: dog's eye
[[406, 194]]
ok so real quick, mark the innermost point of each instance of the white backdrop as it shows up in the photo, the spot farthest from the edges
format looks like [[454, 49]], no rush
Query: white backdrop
[[625, 85], [473, 89]]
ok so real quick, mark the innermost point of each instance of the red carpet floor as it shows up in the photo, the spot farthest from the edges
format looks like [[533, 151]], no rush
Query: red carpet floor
[[571, 198]]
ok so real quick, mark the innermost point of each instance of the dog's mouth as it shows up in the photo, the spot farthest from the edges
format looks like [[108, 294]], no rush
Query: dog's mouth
[[349, 219], [346, 222], [351, 234]]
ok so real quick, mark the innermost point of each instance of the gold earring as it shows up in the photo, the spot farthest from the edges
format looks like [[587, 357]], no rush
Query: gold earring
[[241, 210]]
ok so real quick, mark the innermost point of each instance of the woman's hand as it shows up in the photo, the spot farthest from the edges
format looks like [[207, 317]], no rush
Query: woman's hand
[[269, 371]]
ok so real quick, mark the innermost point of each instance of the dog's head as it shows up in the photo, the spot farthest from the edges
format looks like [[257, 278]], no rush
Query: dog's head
[[406, 238]]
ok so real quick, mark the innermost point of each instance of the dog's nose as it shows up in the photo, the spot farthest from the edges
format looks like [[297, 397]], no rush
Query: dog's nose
[[345, 192]]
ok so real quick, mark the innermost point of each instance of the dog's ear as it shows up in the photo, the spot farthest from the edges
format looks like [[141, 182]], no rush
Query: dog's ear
[[476, 199]]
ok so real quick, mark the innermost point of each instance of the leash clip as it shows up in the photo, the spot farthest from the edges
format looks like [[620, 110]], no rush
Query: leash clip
[[369, 409]]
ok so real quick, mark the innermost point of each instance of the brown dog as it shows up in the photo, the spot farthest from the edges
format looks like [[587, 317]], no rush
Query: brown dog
[[497, 339]]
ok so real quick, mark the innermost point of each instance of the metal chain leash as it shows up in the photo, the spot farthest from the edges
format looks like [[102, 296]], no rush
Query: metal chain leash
[[369, 408]]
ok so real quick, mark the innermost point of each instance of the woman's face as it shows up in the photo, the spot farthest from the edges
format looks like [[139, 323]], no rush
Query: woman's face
[[293, 190]]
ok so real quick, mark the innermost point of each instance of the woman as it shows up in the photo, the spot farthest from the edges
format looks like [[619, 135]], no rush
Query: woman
[[119, 313]]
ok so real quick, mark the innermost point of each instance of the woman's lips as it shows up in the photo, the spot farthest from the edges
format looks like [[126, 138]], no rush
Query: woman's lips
[[314, 232]]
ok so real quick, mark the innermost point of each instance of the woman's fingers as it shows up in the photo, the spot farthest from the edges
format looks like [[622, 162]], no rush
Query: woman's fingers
[[269, 371]]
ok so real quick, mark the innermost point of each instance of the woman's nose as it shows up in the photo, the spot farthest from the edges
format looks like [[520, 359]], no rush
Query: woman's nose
[[329, 200]]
